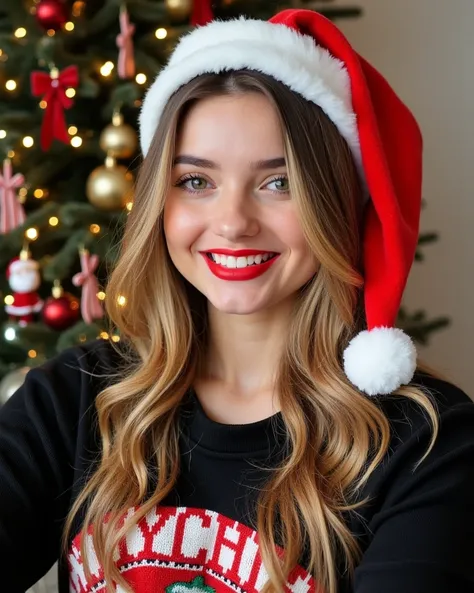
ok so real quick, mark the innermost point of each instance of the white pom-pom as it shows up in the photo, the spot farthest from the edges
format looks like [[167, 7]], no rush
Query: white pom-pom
[[380, 360]]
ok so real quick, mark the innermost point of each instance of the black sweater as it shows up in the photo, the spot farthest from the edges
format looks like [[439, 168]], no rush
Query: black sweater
[[416, 533]]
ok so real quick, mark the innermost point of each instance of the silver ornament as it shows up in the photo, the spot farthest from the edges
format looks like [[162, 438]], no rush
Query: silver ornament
[[11, 382]]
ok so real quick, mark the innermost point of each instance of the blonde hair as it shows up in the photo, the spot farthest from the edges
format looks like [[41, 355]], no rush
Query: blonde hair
[[336, 435]]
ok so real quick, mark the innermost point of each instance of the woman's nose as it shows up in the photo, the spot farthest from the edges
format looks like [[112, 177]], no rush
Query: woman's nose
[[235, 214]]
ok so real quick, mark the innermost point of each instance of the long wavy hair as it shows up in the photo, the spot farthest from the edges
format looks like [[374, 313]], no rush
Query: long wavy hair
[[164, 338]]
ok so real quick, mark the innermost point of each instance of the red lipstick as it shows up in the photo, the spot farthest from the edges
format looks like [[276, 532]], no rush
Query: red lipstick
[[247, 273]]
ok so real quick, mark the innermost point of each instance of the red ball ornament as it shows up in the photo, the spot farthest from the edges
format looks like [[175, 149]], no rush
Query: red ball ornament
[[62, 312], [51, 14]]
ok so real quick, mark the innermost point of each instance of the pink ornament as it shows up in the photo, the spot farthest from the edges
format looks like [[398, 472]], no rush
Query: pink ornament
[[91, 307], [126, 58], [12, 213]]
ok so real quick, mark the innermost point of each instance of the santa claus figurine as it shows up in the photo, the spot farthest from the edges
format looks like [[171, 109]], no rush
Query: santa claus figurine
[[24, 279]]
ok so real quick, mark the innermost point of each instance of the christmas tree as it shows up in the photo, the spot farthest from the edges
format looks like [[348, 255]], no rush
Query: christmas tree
[[72, 78]]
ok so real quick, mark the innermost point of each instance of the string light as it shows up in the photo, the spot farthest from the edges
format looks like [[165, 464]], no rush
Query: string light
[[10, 154], [22, 192], [94, 229], [69, 26], [106, 69], [76, 141], [32, 353], [115, 338], [101, 296], [10, 85], [9, 300], [10, 333], [140, 78], [31, 234], [3, 134], [121, 300], [129, 206], [54, 221], [72, 130], [20, 32], [104, 335], [83, 338], [51, 32], [161, 33], [70, 93], [28, 141], [43, 104], [38, 193], [77, 8]]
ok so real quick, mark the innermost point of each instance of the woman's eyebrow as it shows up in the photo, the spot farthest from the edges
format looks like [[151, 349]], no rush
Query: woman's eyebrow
[[188, 159]]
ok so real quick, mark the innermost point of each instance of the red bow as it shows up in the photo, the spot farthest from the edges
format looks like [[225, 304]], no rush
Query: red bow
[[52, 87], [202, 12]]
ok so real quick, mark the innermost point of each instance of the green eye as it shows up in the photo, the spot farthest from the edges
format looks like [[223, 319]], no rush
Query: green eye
[[198, 183], [280, 185]]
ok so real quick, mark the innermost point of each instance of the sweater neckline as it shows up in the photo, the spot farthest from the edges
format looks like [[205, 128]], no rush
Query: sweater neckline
[[252, 438]]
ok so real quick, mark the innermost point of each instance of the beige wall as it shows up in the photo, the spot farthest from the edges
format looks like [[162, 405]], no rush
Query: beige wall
[[426, 50]]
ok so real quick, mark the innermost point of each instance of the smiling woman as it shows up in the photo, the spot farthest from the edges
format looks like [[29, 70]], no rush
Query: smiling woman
[[261, 427]]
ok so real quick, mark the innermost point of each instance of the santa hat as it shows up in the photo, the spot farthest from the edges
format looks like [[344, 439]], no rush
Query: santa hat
[[18, 264], [309, 54]]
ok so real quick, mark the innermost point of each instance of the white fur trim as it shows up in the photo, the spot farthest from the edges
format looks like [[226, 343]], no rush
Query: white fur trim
[[379, 361], [274, 49], [23, 264], [36, 308]]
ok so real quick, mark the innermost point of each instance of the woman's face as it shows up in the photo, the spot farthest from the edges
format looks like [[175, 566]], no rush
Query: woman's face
[[230, 191]]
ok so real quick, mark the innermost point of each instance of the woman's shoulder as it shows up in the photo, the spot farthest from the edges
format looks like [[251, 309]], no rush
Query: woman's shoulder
[[412, 424]]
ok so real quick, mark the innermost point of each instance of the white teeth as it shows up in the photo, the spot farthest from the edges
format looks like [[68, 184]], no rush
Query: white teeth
[[229, 261]]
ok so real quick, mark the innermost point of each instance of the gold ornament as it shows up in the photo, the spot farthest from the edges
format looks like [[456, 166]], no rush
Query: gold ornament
[[109, 187], [11, 382], [119, 140], [179, 10]]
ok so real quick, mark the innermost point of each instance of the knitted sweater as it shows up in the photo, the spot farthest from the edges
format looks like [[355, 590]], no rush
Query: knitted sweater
[[416, 532]]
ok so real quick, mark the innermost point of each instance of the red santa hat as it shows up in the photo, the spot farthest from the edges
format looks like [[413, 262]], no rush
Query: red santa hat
[[21, 264], [311, 56]]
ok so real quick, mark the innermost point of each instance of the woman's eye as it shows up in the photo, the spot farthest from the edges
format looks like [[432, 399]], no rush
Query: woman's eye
[[279, 184], [193, 183]]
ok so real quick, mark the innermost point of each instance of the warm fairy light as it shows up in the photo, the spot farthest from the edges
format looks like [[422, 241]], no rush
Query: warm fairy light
[[72, 130], [22, 192], [76, 141], [54, 221], [20, 32], [122, 301], [43, 104], [106, 69], [129, 206], [10, 154], [101, 296], [28, 141], [3, 134], [1, 52], [94, 229], [31, 233], [78, 7], [10, 85], [51, 32], [140, 78], [115, 338], [137, 102], [38, 193], [69, 26], [9, 300], [32, 353], [70, 93], [10, 333], [161, 33], [104, 335], [83, 338]]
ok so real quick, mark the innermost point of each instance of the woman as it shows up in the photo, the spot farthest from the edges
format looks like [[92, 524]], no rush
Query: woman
[[262, 426]]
